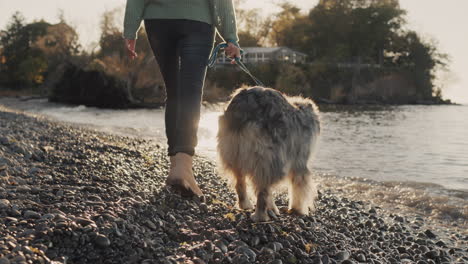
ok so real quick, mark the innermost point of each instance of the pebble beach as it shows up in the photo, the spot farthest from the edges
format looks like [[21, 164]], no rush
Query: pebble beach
[[70, 194]]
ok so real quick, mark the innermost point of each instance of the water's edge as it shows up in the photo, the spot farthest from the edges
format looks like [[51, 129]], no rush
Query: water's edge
[[450, 206]]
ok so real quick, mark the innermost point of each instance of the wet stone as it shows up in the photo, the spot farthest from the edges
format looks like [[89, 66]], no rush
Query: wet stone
[[255, 241], [441, 243], [276, 246], [421, 241], [431, 254], [102, 241], [220, 244], [198, 261], [151, 225], [240, 259], [430, 234], [84, 221], [236, 244], [361, 258], [424, 249], [29, 214], [201, 253], [266, 254], [325, 259], [399, 219], [343, 255], [276, 261], [4, 203], [203, 208], [248, 252]]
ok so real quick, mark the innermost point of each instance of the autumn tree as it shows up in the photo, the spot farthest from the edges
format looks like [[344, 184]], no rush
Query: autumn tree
[[253, 29], [23, 65], [142, 75], [31, 51], [359, 31]]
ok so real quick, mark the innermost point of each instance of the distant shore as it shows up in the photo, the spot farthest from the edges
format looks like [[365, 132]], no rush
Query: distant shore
[[74, 195], [28, 95]]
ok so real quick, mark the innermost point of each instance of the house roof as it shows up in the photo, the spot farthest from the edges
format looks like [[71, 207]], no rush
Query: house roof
[[267, 50]]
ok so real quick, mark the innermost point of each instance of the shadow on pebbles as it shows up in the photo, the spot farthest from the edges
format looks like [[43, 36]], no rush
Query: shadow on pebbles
[[72, 195]]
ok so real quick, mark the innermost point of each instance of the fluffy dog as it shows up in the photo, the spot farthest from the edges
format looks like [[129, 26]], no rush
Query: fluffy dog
[[264, 138]]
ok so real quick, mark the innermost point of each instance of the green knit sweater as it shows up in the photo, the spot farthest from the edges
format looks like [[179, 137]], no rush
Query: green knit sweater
[[219, 13]]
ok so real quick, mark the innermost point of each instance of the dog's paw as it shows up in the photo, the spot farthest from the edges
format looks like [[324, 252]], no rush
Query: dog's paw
[[246, 205], [260, 217], [274, 209], [298, 212]]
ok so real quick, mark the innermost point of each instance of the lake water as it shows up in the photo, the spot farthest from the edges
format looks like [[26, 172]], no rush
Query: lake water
[[411, 156]]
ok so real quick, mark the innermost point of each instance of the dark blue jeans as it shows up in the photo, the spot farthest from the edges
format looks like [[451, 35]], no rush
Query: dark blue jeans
[[182, 48]]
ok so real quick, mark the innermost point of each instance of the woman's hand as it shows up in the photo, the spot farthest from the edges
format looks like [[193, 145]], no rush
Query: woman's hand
[[232, 51], [130, 45]]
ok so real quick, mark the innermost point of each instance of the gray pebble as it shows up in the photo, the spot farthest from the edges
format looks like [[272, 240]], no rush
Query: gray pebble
[[203, 208], [254, 241], [276, 246], [267, 254], [236, 244], [83, 221], [342, 255], [4, 203], [276, 261], [29, 214], [361, 258], [325, 259], [248, 252], [240, 259], [430, 234], [102, 241], [220, 244]]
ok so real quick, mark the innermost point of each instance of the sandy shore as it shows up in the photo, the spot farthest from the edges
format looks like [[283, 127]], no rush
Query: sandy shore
[[73, 195]]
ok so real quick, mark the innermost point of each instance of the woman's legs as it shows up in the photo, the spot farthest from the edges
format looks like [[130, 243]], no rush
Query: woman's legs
[[182, 48]]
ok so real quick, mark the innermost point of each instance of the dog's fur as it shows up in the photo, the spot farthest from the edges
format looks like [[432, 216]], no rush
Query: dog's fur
[[265, 137]]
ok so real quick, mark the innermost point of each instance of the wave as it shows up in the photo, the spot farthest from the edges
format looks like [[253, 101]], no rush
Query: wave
[[425, 199]]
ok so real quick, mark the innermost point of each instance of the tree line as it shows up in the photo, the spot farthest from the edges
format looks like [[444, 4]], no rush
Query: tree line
[[357, 50]]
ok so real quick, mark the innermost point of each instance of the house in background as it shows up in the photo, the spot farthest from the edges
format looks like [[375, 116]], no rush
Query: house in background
[[261, 54]]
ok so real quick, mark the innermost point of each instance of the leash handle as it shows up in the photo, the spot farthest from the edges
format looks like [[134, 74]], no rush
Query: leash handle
[[214, 56]]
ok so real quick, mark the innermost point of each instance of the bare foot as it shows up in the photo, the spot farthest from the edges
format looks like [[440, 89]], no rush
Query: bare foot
[[181, 176]]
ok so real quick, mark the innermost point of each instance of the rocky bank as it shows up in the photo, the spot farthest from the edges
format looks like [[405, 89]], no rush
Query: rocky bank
[[73, 195]]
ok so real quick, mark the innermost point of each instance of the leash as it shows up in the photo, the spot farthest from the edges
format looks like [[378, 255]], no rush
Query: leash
[[214, 56]]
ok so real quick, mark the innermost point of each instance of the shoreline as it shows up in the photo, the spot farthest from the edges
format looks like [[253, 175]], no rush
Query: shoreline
[[70, 194], [27, 95]]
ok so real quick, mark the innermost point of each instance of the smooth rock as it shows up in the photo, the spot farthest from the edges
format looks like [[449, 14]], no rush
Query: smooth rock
[[102, 241], [29, 214], [430, 234], [343, 255], [240, 259], [361, 258], [4, 203], [248, 252], [276, 261]]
